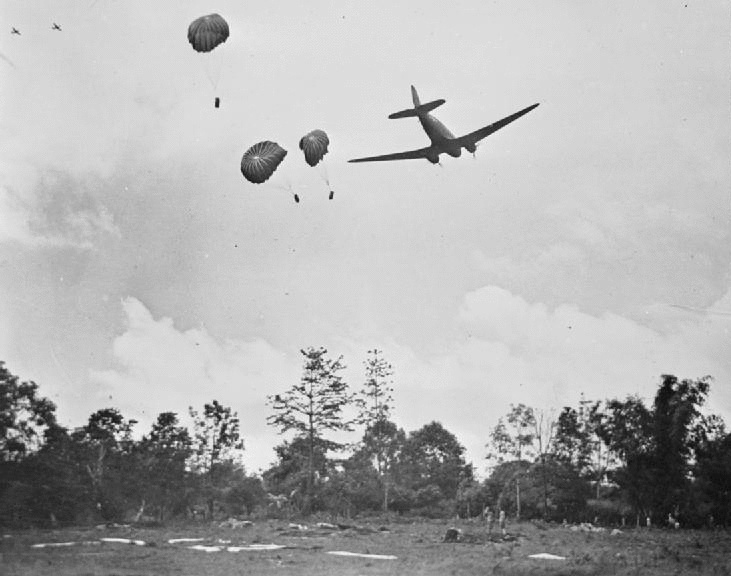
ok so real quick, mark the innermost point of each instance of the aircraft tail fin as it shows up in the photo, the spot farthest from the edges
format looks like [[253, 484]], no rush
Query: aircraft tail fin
[[418, 108], [415, 97]]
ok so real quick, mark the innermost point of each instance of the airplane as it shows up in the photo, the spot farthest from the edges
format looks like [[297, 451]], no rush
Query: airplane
[[442, 140], [15, 31], [56, 27]]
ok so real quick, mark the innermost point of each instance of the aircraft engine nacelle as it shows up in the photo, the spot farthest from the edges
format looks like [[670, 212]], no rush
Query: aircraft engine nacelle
[[456, 153], [471, 148], [433, 158]]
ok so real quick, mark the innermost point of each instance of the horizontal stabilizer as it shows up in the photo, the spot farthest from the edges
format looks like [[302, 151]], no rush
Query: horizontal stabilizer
[[429, 106], [419, 110]]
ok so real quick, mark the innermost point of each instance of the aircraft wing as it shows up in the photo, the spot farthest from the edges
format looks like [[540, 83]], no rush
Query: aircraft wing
[[477, 135], [410, 155]]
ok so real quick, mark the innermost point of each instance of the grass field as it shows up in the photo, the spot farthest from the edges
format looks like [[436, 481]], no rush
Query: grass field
[[418, 547]]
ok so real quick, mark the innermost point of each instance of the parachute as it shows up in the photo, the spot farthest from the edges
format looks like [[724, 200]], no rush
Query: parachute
[[207, 32], [204, 34], [314, 145], [261, 160]]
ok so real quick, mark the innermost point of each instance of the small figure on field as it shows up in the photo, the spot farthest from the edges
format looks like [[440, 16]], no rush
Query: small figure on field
[[501, 521], [489, 519]]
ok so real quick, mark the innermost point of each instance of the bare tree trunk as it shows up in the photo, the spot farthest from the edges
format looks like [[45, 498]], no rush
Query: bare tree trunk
[[96, 474], [310, 472], [544, 433], [545, 489], [140, 512]]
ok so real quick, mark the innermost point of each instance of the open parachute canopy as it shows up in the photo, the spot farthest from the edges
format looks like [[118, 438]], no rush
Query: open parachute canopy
[[261, 160], [314, 145], [207, 32]]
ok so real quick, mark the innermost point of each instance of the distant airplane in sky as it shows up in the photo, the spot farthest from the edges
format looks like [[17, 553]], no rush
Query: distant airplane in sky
[[56, 27], [442, 140], [15, 31]]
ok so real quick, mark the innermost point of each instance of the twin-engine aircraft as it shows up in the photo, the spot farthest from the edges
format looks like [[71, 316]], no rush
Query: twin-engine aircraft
[[442, 140]]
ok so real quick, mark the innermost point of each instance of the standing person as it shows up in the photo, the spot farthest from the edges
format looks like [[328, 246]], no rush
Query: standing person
[[489, 519], [501, 521]]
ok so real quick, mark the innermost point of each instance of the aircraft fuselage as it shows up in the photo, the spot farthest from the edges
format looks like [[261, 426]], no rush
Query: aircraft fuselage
[[442, 138]]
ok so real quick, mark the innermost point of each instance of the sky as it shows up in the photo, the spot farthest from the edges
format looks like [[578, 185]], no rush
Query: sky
[[585, 249]]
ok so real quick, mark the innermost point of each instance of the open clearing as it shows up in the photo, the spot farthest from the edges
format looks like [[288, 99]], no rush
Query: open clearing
[[276, 547]]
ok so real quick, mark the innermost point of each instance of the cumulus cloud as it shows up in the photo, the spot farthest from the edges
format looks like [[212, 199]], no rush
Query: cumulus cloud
[[162, 368], [567, 349], [511, 350]]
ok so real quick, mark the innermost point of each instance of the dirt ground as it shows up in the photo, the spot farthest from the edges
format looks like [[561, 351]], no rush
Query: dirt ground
[[418, 547]]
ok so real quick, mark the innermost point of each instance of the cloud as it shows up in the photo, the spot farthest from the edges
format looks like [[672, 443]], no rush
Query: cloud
[[511, 350], [61, 212], [612, 254], [162, 368], [14, 217]]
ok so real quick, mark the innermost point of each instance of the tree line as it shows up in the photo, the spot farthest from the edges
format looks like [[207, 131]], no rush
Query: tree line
[[615, 461]]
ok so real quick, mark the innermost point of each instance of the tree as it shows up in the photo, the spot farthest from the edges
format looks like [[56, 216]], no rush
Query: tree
[[544, 426], [24, 415], [290, 471], [500, 485], [362, 486], [656, 447], [163, 454], [576, 441], [216, 436], [374, 405], [374, 400], [514, 440], [299, 465], [549, 489], [626, 430], [472, 497], [314, 406], [571, 440], [382, 444], [432, 466], [104, 452], [217, 447], [676, 412], [244, 493], [712, 474], [61, 487]]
